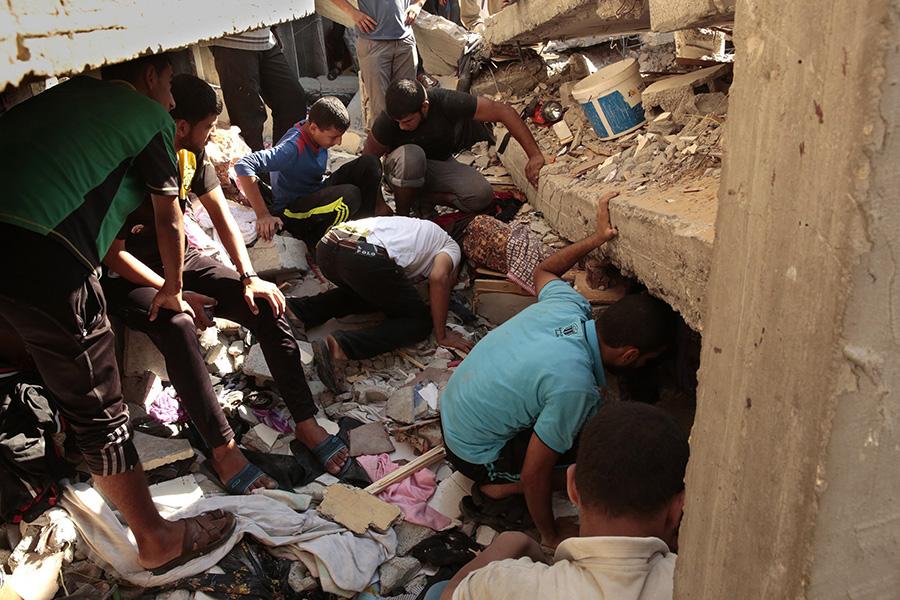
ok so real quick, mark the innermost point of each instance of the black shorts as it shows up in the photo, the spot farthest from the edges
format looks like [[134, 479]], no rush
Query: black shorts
[[507, 468]]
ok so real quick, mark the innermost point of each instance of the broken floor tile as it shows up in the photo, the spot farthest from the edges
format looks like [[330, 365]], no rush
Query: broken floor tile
[[370, 439], [155, 451], [449, 493]]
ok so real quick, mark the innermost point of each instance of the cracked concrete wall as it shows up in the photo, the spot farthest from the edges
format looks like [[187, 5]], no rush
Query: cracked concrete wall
[[49, 37], [672, 15], [792, 486]]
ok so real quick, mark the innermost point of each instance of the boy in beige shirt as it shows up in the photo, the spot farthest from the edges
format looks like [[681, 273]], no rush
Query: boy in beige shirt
[[628, 484]]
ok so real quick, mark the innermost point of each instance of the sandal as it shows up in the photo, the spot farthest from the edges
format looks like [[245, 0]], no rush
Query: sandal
[[241, 483], [325, 366], [351, 471], [202, 534]]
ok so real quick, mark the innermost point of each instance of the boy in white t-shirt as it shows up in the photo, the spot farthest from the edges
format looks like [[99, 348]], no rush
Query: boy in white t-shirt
[[375, 264]]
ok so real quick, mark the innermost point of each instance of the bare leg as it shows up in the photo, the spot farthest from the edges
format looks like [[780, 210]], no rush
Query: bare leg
[[158, 539]]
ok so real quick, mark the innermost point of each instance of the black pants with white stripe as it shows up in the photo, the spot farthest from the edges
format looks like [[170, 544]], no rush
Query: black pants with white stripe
[[58, 309]]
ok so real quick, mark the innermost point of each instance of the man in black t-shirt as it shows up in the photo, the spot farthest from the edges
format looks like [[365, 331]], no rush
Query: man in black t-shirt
[[420, 132], [241, 296]]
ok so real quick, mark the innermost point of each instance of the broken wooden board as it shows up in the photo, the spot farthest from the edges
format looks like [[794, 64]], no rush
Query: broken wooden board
[[497, 286], [595, 296], [357, 509], [490, 273], [500, 307]]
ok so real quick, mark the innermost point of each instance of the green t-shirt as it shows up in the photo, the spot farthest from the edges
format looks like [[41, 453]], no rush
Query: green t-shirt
[[79, 157]]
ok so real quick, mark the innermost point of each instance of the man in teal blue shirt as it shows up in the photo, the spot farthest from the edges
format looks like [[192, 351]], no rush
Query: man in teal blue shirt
[[514, 408]]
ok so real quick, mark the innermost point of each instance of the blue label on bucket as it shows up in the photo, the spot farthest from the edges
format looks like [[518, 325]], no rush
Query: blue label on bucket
[[617, 114]]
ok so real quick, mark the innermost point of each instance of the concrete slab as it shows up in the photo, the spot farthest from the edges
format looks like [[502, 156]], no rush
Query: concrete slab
[[665, 236], [50, 38], [671, 15], [156, 451], [533, 21]]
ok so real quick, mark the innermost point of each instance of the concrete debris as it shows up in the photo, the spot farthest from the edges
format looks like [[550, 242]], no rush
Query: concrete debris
[[669, 93], [279, 255], [255, 365], [396, 572], [156, 452], [370, 439]]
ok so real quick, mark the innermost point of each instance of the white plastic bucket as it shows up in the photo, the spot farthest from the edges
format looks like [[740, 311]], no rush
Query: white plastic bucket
[[611, 99]]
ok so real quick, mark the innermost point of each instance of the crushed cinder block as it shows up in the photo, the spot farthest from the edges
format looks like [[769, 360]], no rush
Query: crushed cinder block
[[396, 572], [219, 360], [278, 255], [209, 338], [370, 439], [155, 451], [255, 365], [299, 578], [409, 535], [236, 348]]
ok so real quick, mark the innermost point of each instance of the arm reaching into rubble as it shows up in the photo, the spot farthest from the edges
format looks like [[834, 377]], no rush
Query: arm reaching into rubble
[[170, 238], [490, 111], [248, 169], [227, 228], [440, 282], [364, 22], [558, 263]]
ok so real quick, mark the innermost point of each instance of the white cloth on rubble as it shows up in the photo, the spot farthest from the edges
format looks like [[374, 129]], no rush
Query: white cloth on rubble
[[350, 560], [243, 215]]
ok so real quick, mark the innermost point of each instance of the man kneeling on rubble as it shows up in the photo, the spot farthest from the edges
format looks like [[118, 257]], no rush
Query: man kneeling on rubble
[[304, 203], [628, 484], [513, 409], [375, 264], [420, 131], [136, 274]]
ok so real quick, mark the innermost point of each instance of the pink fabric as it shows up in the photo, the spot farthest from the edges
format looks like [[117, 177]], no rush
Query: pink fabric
[[410, 495]]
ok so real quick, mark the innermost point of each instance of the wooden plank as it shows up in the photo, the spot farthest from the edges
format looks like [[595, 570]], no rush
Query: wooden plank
[[435, 455], [498, 286], [490, 273]]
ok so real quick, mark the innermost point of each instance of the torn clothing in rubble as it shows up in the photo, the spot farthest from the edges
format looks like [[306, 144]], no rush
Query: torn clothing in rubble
[[30, 462], [504, 248], [411, 494], [344, 563]]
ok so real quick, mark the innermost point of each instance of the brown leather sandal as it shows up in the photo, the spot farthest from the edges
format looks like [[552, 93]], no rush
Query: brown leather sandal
[[202, 534]]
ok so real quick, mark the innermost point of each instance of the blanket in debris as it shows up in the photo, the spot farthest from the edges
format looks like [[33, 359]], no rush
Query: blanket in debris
[[343, 562]]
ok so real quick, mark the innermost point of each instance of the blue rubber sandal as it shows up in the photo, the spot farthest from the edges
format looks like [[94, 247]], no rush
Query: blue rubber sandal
[[246, 477], [351, 470]]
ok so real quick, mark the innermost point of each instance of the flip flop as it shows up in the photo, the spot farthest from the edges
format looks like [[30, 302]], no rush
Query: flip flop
[[244, 479], [325, 366], [202, 534], [351, 471]]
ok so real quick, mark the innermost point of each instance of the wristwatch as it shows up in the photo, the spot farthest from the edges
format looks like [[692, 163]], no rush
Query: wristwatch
[[245, 277]]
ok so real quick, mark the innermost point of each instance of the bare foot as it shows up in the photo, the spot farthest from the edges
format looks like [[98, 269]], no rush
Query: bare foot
[[311, 434], [228, 460]]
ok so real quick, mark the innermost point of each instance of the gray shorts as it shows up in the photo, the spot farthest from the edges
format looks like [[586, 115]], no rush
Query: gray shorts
[[407, 167]]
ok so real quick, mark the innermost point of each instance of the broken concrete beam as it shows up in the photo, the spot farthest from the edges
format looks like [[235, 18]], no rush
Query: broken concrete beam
[[665, 236], [278, 255], [672, 15], [156, 451], [670, 92], [441, 43], [533, 21]]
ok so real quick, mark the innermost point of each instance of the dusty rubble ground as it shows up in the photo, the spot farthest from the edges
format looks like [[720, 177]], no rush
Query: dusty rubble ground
[[681, 145]]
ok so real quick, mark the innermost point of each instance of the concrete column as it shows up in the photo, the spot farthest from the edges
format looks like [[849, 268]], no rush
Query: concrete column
[[793, 484]]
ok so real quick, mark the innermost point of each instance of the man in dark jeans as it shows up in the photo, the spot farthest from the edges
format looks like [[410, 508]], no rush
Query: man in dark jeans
[[303, 203], [254, 73], [375, 263], [241, 296], [76, 160]]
